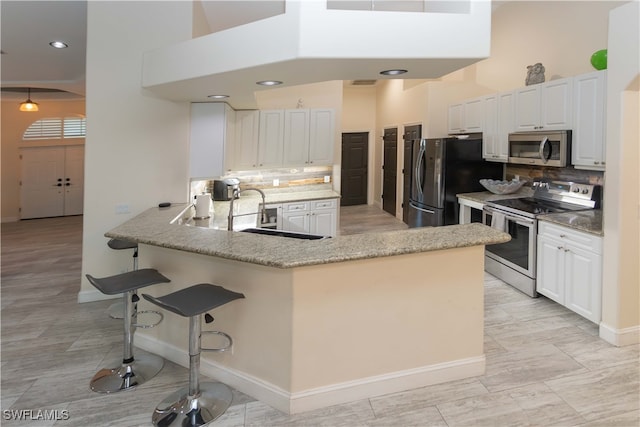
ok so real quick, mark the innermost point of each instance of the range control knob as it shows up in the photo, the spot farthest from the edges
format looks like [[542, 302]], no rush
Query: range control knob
[[576, 190], [585, 191]]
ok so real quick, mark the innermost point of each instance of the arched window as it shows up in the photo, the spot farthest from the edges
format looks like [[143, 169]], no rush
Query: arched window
[[56, 128]]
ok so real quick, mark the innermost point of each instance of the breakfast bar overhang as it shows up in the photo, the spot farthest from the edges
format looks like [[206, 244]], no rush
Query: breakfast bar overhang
[[325, 321]]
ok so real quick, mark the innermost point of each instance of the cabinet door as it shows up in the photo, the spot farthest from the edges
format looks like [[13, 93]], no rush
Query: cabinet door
[[527, 108], [588, 148], [296, 137], [556, 100], [322, 137], [245, 150], [296, 221], [456, 112], [506, 113], [583, 282], [207, 140], [550, 268], [271, 138], [473, 115], [324, 217], [490, 128]]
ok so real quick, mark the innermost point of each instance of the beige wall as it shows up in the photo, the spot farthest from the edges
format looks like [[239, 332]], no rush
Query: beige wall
[[14, 123], [137, 144]]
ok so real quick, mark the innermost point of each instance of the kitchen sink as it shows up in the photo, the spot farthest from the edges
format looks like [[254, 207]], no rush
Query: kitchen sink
[[282, 233]]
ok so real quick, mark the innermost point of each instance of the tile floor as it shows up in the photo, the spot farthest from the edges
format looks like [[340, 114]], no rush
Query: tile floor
[[545, 365]]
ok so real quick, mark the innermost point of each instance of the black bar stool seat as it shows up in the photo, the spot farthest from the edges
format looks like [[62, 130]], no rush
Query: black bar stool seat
[[197, 404], [129, 281], [115, 310], [119, 244], [133, 371]]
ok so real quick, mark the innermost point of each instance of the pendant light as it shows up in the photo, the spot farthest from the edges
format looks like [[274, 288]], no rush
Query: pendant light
[[28, 105]]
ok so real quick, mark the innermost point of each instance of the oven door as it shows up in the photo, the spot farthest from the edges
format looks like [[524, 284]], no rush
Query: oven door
[[520, 252]]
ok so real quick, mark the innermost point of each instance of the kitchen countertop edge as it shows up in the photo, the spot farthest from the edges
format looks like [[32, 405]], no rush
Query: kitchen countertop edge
[[153, 227]]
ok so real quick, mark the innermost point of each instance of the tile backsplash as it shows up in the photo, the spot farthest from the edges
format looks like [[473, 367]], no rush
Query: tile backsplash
[[264, 178], [537, 173]]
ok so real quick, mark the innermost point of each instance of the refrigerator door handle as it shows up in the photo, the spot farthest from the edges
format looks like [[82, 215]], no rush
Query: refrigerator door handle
[[419, 177], [421, 209]]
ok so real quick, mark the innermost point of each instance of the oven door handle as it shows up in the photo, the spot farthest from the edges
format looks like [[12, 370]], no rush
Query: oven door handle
[[510, 217]]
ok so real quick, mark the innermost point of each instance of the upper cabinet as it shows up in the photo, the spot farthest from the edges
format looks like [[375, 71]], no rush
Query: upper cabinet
[[467, 116], [588, 149], [245, 148], [296, 137], [212, 127], [544, 106]]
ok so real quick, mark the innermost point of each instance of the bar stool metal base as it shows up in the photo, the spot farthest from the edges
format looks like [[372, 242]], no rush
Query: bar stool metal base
[[128, 376], [180, 409]]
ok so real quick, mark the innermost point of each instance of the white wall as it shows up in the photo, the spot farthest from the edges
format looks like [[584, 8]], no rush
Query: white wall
[[136, 145], [621, 277]]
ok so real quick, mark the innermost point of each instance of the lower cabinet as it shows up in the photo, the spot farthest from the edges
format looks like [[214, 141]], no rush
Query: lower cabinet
[[569, 269], [312, 216]]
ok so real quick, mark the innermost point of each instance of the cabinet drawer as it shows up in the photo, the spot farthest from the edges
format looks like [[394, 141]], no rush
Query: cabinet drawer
[[323, 204], [296, 207], [577, 238]]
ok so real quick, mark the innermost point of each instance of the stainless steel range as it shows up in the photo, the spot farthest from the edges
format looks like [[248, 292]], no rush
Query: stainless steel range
[[515, 261]]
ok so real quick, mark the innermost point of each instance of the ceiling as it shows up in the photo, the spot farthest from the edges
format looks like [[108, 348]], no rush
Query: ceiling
[[28, 61]]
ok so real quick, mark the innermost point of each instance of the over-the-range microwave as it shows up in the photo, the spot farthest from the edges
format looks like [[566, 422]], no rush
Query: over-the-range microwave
[[542, 148]]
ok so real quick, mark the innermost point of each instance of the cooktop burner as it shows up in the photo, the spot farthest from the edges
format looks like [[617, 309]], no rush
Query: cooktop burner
[[532, 206], [552, 197]]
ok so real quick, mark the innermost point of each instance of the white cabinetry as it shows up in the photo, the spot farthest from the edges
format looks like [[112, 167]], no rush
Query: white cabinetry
[[271, 138], [569, 269], [498, 123], [588, 147], [312, 217], [296, 137], [245, 148], [467, 116], [212, 127], [544, 106]]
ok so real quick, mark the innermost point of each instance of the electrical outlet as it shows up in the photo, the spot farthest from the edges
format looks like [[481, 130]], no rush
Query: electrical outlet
[[276, 182], [327, 178], [122, 208]]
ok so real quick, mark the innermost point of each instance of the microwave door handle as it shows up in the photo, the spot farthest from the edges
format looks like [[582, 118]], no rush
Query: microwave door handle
[[543, 143]]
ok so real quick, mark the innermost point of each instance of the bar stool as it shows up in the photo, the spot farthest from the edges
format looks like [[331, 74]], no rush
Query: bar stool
[[197, 404], [133, 371], [115, 310]]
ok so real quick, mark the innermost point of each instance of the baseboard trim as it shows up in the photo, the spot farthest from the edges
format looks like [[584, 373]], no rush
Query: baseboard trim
[[94, 295], [620, 337], [321, 397], [10, 219]]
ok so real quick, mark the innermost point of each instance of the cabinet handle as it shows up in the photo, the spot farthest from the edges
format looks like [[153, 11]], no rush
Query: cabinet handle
[[596, 163], [566, 250], [560, 247], [563, 236]]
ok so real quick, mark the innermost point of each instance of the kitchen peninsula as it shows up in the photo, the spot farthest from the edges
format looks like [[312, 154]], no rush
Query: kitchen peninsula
[[324, 321]]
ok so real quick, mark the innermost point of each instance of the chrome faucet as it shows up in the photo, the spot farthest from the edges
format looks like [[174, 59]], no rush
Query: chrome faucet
[[236, 193]]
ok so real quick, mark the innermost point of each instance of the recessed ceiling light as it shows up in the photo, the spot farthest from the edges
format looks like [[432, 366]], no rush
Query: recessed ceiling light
[[392, 72], [218, 96], [58, 44], [269, 83]]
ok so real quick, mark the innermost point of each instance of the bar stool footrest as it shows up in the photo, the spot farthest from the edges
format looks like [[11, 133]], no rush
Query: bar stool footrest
[[181, 410], [218, 349], [149, 325]]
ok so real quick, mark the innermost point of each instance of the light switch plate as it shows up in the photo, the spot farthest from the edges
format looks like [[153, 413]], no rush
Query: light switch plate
[[327, 178], [276, 182]]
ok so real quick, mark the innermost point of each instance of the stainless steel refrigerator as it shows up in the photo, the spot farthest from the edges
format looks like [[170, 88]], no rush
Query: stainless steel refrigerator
[[442, 168]]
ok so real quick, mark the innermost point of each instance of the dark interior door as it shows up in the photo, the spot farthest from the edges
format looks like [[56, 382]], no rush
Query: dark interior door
[[390, 170], [410, 133], [353, 186]]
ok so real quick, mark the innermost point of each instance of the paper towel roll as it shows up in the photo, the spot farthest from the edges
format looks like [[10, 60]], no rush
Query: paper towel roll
[[203, 205]]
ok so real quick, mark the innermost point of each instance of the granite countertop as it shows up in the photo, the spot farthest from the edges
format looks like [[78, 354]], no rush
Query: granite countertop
[[589, 221], [155, 227]]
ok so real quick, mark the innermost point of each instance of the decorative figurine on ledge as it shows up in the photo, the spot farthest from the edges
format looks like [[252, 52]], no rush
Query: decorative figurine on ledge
[[535, 74]]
